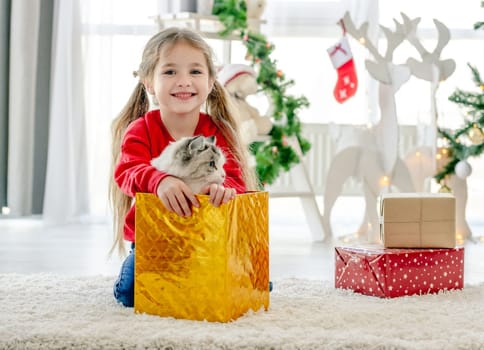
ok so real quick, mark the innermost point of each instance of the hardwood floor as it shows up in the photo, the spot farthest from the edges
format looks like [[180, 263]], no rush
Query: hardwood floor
[[29, 246]]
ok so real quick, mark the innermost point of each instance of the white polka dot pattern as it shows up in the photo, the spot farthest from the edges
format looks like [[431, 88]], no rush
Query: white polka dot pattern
[[392, 273]]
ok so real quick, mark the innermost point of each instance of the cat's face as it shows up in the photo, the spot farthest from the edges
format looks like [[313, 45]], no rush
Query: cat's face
[[196, 160]]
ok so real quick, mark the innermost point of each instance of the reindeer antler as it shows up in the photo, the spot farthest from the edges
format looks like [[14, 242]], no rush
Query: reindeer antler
[[394, 39], [423, 69], [361, 34], [379, 68]]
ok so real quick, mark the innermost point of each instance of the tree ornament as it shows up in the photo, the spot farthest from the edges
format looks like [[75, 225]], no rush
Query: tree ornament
[[342, 60], [463, 169], [476, 135]]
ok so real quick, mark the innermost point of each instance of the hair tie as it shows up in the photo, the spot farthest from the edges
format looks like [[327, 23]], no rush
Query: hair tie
[[135, 73]]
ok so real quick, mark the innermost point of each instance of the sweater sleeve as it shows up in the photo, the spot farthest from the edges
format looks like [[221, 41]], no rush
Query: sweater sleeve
[[134, 172]]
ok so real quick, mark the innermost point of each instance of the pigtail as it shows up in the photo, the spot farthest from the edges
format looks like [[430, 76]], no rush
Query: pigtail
[[223, 113], [137, 106]]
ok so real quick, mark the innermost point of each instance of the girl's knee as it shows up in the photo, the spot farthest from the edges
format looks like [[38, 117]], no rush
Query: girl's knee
[[124, 286]]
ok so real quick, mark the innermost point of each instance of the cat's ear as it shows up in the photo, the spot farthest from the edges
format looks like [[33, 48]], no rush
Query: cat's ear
[[196, 143], [212, 139]]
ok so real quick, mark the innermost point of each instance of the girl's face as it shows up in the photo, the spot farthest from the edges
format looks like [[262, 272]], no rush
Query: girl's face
[[181, 81]]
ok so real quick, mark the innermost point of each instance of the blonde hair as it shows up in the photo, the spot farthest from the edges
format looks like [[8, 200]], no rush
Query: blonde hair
[[218, 107]]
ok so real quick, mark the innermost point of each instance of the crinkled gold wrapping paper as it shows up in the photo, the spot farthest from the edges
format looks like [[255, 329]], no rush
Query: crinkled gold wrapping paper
[[213, 265]]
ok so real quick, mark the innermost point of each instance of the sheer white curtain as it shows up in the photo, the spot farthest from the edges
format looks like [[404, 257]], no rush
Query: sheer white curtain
[[22, 91], [47, 147], [317, 17], [114, 33], [66, 196]]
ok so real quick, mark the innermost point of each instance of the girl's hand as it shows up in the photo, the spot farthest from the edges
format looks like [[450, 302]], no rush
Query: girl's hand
[[219, 194], [176, 196]]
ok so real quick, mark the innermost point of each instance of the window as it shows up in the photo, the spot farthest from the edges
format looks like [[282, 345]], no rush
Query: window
[[115, 33]]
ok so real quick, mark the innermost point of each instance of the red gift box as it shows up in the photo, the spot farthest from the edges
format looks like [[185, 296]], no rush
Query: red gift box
[[390, 273]]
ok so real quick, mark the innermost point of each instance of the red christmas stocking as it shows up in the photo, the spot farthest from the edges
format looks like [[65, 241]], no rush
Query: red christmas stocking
[[342, 59]]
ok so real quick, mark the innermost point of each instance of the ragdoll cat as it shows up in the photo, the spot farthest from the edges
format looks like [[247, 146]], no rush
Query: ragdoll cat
[[196, 160]]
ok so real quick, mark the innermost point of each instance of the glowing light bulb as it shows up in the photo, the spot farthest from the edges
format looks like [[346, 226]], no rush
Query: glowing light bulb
[[459, 238], [384, 181]]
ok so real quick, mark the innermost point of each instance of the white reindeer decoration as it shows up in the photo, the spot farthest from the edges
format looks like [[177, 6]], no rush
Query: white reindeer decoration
[[372, 156], [421, 161]]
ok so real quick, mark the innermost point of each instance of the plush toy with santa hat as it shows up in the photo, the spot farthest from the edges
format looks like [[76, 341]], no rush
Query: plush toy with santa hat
[[240, 81]]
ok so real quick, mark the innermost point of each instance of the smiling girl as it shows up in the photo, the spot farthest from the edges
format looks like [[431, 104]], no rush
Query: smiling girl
[[178, 72]]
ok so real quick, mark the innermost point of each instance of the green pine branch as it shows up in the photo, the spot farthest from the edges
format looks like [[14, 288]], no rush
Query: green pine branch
[[232, 13], [479, 25], [276, 154]]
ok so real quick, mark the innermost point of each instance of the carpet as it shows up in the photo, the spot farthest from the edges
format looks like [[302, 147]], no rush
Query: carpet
[[45, 311]]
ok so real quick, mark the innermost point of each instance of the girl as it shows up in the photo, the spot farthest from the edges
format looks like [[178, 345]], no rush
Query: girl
[[177, 70]]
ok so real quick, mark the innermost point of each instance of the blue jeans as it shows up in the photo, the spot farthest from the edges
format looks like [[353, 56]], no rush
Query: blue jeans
[[124, 286]]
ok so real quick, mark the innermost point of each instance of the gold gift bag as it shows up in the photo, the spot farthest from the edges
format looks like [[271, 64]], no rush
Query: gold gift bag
[[213, 265]]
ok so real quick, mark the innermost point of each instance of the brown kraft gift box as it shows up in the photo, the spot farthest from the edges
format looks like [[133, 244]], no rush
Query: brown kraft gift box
[[417, 220]]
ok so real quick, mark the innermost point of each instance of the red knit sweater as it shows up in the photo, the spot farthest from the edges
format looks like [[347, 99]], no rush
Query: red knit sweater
[[144, 140]]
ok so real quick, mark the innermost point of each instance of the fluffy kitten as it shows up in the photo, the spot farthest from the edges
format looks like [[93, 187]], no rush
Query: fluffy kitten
[[196, 160]]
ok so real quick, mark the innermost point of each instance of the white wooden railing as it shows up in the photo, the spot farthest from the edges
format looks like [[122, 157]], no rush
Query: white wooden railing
[[318, 160]]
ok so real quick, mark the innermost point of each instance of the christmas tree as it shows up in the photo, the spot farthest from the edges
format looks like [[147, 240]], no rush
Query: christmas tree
[[468, 141]]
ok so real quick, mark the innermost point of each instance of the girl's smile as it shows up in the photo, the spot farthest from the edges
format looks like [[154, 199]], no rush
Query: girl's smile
[[183, 95]]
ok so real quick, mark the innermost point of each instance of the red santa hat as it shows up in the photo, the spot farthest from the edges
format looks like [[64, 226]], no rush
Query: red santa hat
[[231, 71]]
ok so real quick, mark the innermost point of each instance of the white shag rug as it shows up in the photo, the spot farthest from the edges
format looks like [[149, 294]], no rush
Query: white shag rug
[[45, 311]]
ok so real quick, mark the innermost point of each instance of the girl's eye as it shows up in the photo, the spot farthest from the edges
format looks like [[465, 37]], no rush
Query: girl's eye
[[169, 72], [212, 164], [196, 71]]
